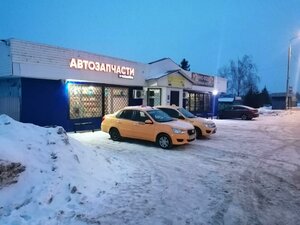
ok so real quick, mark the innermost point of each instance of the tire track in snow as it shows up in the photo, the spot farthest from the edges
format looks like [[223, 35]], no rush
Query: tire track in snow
[[134, 198], [265, 192]]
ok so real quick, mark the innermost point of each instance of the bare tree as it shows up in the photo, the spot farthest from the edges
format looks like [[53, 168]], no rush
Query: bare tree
[[241, 75]]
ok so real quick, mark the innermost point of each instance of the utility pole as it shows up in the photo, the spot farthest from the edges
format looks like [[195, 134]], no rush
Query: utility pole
[[288, 78]]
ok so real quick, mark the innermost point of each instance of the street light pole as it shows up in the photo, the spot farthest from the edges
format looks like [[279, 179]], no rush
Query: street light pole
[[288, 71], [215, 93], [288, 78]]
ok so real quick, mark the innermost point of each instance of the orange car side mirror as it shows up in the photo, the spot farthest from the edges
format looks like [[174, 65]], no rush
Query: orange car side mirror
[[148, 122]]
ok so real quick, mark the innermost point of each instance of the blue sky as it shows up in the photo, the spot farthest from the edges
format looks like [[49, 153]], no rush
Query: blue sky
[[207, 33]]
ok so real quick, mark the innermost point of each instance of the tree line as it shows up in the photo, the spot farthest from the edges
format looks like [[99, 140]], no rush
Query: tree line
[[242, 76], [242, 80]]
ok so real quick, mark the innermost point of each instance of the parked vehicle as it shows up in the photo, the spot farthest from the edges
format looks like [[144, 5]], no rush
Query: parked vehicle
[[238, 111], [203, 127], [147, 123]]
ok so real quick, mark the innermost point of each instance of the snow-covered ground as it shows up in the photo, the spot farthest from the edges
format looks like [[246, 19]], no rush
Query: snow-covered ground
[[247, 173]]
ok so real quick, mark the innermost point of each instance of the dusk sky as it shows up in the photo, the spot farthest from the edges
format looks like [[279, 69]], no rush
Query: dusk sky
[[207, 33]]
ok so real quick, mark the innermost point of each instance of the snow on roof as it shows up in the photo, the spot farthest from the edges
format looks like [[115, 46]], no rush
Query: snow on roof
[[164, 67], [162, 59], [227, 99]]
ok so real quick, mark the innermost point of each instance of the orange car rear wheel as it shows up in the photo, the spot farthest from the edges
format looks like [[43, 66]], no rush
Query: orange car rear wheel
[[115, 134]]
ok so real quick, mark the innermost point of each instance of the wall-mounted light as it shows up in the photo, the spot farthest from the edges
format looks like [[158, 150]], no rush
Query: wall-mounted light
[[215, 92]]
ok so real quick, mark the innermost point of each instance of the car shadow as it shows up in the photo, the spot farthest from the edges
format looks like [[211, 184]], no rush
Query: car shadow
[[151, 144], [202, 138]]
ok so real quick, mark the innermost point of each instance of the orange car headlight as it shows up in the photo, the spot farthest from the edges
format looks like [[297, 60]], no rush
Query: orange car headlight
[[178, 131]]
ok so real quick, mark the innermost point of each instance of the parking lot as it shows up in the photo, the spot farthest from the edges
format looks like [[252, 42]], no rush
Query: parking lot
[[247, 173]]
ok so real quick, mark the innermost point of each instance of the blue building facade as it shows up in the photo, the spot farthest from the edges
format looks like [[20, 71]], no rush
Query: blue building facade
[[53, 86]]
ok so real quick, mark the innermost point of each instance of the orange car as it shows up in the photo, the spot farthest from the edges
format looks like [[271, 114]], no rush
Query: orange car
[[203, 127], [147, 123]]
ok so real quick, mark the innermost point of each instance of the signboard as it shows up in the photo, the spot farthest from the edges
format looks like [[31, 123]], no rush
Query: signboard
[[176, 81], [203, 80], [122, 71]]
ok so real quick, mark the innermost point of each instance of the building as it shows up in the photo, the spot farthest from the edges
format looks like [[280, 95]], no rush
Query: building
[[167, 84], [49, 86], [279, 100]]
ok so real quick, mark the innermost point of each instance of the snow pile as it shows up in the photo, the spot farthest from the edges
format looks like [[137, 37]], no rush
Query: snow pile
[[268, 111], [64, 182]]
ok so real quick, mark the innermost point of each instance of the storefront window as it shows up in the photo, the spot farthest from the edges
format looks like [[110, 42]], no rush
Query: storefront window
[[191, 102], [154, 97], [207, 100], [115, 98], [85, 101], [198, 102]]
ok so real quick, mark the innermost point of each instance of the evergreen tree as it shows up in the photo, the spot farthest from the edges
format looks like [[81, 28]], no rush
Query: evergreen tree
[[298, 96], [265, 97], [184, 64], [252, 98], [255, 99]]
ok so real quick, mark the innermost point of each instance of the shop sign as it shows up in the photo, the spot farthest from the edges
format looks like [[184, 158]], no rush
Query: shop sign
[[203, 80], [122, 71], [176, 81]]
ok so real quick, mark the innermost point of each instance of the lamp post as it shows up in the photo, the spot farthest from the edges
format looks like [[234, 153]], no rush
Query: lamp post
[[288, 78], [215, 93], [288, 71]]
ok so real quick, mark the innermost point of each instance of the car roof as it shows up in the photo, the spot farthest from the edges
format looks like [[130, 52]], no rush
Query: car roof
[[139, 107], [168, 106], [244, 106]]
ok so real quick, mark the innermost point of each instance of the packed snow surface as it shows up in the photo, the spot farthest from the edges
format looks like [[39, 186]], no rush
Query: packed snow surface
[[246, 173]]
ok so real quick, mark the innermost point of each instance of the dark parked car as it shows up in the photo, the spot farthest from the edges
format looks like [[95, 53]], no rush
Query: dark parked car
[[238, 111]]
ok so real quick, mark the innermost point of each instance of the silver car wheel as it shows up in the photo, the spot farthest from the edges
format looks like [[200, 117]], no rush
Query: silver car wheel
[[164, 141]]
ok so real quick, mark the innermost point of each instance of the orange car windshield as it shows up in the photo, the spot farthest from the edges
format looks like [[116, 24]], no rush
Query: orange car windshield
[[159, 116], [186, 113]]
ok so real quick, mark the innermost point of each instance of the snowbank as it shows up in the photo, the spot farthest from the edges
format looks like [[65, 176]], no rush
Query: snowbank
[[63, 180]]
